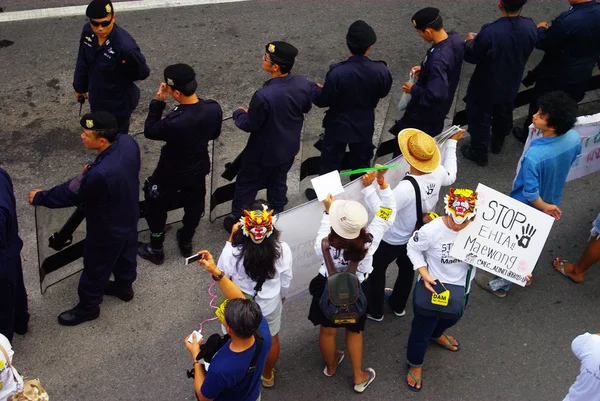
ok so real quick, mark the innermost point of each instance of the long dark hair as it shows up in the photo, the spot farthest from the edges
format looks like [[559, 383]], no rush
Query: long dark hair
[[355, 249], [259, 259]]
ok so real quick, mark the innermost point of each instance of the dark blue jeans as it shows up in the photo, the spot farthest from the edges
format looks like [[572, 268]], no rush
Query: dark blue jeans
[[423, 329]]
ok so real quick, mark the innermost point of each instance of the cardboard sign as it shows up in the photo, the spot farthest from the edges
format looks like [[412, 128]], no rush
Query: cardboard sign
[[505, 238]]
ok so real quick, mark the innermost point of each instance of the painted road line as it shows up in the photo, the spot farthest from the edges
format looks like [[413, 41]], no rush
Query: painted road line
[[119, 7]]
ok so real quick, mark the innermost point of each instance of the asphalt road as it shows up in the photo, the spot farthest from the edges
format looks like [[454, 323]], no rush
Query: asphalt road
[[517, 348]]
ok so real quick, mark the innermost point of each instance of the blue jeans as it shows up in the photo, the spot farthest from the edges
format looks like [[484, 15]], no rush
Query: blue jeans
[[424, 328]]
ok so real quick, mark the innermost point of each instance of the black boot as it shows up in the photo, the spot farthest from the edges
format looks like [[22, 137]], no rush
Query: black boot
[[310, 194], [185, 247], [480, 158], [145, 251], [78, 315], [520, 133], [229, 222], [497, 144], [123, 291]]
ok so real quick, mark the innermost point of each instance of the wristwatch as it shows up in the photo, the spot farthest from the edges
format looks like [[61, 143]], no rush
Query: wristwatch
[[219, 277]]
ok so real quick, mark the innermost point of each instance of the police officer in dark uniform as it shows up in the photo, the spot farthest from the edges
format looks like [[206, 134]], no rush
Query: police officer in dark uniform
[[571, 49], [500, 50], [274, 120], [108, 188], [14, 316], [438, 76], [184, 161], [352, 90], [108, 63]]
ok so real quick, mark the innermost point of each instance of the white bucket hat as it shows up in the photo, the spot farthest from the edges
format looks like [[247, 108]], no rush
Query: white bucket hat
[[347, 218]]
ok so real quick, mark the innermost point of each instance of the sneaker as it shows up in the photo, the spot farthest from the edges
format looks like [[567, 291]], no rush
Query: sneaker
[[310, 194], [375, 319], [123, 291], [483, 281], [480, 158], [229, 222], [399, 314], [145, 251], [185, 247]]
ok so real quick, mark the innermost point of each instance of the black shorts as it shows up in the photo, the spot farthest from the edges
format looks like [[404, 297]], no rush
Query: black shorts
[[316, 316]]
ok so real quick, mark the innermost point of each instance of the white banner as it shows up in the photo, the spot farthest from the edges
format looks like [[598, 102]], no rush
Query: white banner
[[299, 225], [505, 238], [588, 162]]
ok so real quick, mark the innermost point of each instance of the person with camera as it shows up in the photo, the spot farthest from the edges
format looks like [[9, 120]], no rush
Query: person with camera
[[349, 247], [261, 266], [235, 369]]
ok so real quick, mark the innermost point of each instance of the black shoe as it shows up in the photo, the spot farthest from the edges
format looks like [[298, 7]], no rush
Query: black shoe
[[229, 222], [123, 291], [497, 144], [185, 247], [145, 251], [78, 315], [480, 158], [310, 194], [520, 133]]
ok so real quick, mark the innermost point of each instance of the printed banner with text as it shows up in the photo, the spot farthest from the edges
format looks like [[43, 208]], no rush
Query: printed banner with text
[[505, 238]]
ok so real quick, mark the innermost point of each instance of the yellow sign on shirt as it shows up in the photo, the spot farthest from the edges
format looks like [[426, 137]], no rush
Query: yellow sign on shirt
[[384, 213]]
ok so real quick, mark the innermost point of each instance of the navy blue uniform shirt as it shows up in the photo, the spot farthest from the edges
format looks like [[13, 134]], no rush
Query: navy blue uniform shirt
[[10, 242], [571, 44], [433, 93], [500, 50], [352, 90], [274, 120], [107, 72], [109, 190], [186, 131]]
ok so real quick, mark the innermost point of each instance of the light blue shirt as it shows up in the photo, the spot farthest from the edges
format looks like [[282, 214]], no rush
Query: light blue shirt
[[545, 167]]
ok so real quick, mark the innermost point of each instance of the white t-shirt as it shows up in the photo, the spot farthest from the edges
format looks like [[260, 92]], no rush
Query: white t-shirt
[[272, 290], [431, 246], [375, 198], [586, 347], [8, 385], [429, 186]]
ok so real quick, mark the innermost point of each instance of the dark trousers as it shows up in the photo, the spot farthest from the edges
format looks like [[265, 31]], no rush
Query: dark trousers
[[252, 177], [332, 155], [382, 258], [192, 200], [433, 128], [546, 85], [118, 257], [14, 316], [425, 328], [488, 121]]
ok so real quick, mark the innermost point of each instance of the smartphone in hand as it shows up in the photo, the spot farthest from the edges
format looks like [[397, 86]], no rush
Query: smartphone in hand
[[438, 287]]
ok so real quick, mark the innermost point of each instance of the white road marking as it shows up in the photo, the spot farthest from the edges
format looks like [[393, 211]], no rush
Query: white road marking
[[119, 7]]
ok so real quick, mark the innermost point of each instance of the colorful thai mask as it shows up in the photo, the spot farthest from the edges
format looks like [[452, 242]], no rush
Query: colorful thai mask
[[461, 204], [257, 224]]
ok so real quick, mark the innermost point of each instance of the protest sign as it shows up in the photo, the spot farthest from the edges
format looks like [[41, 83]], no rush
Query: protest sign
[[588, 162], [505, 238]]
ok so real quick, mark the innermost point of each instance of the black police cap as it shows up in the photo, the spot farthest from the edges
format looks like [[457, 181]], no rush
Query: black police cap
[[98, 9], [177, 76], [99, 121], [360, 34], [425, 17], [514, 3], [282, 52]]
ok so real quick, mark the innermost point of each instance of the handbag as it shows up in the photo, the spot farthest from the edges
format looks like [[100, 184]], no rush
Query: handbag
[[32, 389], [450, 304], [342, 301]]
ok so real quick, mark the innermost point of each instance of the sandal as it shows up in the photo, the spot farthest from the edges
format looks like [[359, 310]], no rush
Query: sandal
[[417, 381], [561, 264], [340, 355], [447, 345], [360, 387], [268, 383]]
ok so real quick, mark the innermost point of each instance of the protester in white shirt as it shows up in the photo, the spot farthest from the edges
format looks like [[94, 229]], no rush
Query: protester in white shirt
[[429, 251], [422, 153], [11, 381], [586, 347], [261, 266], [350, 239]]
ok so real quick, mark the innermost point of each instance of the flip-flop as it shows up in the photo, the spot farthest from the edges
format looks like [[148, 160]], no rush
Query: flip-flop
[[562, 271], [448, 344], [341, 356], [417, 381], [360, 387]]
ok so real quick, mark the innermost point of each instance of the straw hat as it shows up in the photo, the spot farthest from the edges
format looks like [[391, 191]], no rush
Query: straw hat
[[347, 218], [419, 149]]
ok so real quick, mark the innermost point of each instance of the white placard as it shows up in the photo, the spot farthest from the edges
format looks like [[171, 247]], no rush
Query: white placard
[[505, 238], [326, 184]]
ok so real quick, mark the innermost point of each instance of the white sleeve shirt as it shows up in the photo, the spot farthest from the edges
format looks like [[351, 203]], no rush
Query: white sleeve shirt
[[586, 347]]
